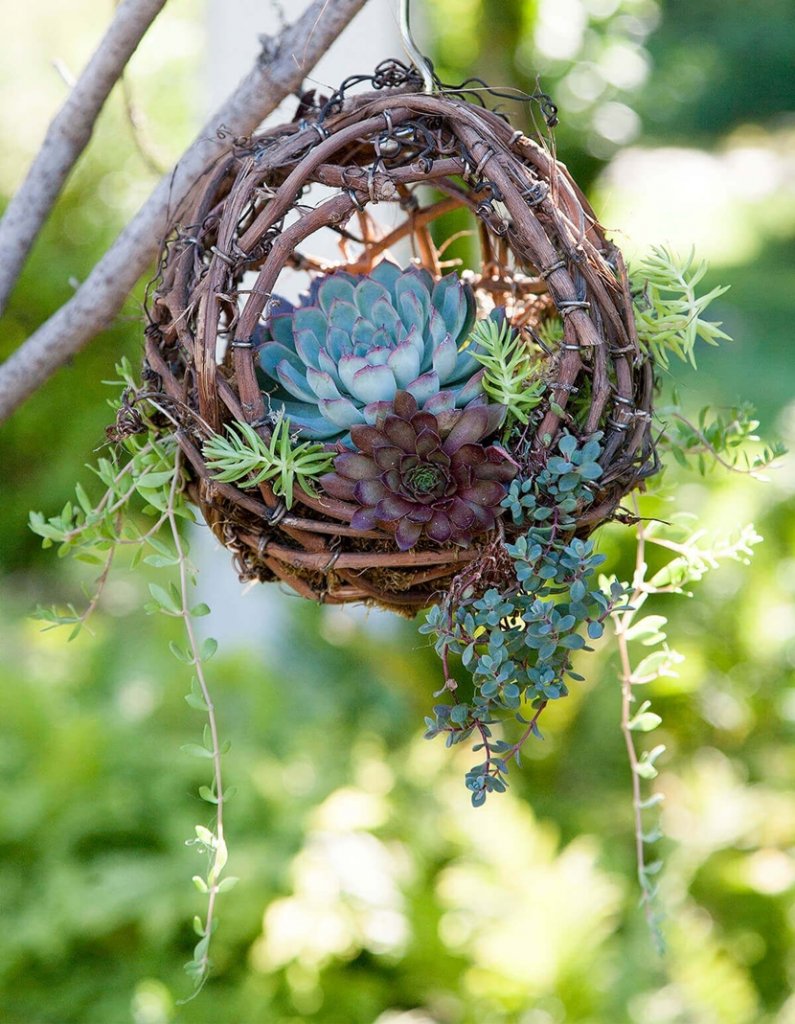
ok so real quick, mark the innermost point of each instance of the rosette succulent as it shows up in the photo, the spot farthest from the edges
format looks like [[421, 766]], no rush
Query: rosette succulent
[[423, 474], [339, 358]]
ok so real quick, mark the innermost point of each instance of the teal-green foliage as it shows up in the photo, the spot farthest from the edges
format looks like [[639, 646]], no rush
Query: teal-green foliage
[[518, 643]]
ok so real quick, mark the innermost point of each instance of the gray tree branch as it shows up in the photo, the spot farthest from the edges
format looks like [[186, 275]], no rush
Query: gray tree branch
[[67, 137], [96, 302]]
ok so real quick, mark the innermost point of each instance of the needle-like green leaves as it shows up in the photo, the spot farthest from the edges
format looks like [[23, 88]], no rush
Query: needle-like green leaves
[[512, 375], [245, 455], [668, 312]]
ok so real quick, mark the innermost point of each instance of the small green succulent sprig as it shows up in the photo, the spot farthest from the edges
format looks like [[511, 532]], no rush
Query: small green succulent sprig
[[669, 314], [668, 311], [513, 376], [281, 460], [550, 332], [517, 642]]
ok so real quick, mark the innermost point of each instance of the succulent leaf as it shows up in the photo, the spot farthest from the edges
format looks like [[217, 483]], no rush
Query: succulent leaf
[[272, 354], [444, 358], [404, 361], [347, 367], [375, 409], [310, 318], [282, 329], [292, 381], [373, 384], [362, 333], [367, 293], [338, 343], [413, 299], [341, 412], [336, 288], [343, 315], [322, 383], [424, 387], [329, 366], [308, 348], [386, 273], [472, 389]]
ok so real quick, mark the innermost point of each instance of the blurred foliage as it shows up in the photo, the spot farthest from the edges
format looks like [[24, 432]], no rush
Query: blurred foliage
[[371, 891], [704, 84]]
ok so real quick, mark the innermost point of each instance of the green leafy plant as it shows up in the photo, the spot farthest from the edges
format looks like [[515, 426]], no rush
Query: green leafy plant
[[513, 376], [718, 438], [689, 558], [667, 307], [668, 311], [550, 332], [146, 464], [244, 455]]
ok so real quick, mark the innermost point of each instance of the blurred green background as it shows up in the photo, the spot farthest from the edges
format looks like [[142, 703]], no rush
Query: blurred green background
[[370, 890]]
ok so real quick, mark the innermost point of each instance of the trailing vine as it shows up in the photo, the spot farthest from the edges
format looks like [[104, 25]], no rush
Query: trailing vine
[[690, 559], [516, 617], [146, 467]]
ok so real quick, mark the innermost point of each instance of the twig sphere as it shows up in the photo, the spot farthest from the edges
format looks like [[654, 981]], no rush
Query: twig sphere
[[543, 254]]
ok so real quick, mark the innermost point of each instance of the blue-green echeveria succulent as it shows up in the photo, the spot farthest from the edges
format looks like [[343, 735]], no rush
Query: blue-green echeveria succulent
[[339, 358]]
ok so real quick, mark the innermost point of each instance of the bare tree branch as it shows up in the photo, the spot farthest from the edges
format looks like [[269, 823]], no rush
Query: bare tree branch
[[95, 303], [67, 137]]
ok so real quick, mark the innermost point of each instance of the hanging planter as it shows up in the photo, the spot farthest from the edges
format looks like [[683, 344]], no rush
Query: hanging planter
[[405, 431], [359, 445]]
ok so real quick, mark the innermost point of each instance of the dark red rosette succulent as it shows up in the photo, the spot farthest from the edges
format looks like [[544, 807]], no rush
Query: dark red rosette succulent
[[425, 474]]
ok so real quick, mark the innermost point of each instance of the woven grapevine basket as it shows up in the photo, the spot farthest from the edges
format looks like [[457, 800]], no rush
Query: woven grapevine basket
[[251, 219]]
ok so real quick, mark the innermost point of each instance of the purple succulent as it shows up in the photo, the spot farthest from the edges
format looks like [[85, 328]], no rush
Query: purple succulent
[[425, 475]]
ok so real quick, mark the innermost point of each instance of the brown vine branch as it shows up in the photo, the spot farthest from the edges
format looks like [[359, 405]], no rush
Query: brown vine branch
[[290, 56], [67, 136]]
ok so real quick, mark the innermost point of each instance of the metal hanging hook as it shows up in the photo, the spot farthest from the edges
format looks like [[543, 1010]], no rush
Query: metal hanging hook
[[416, 56]]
